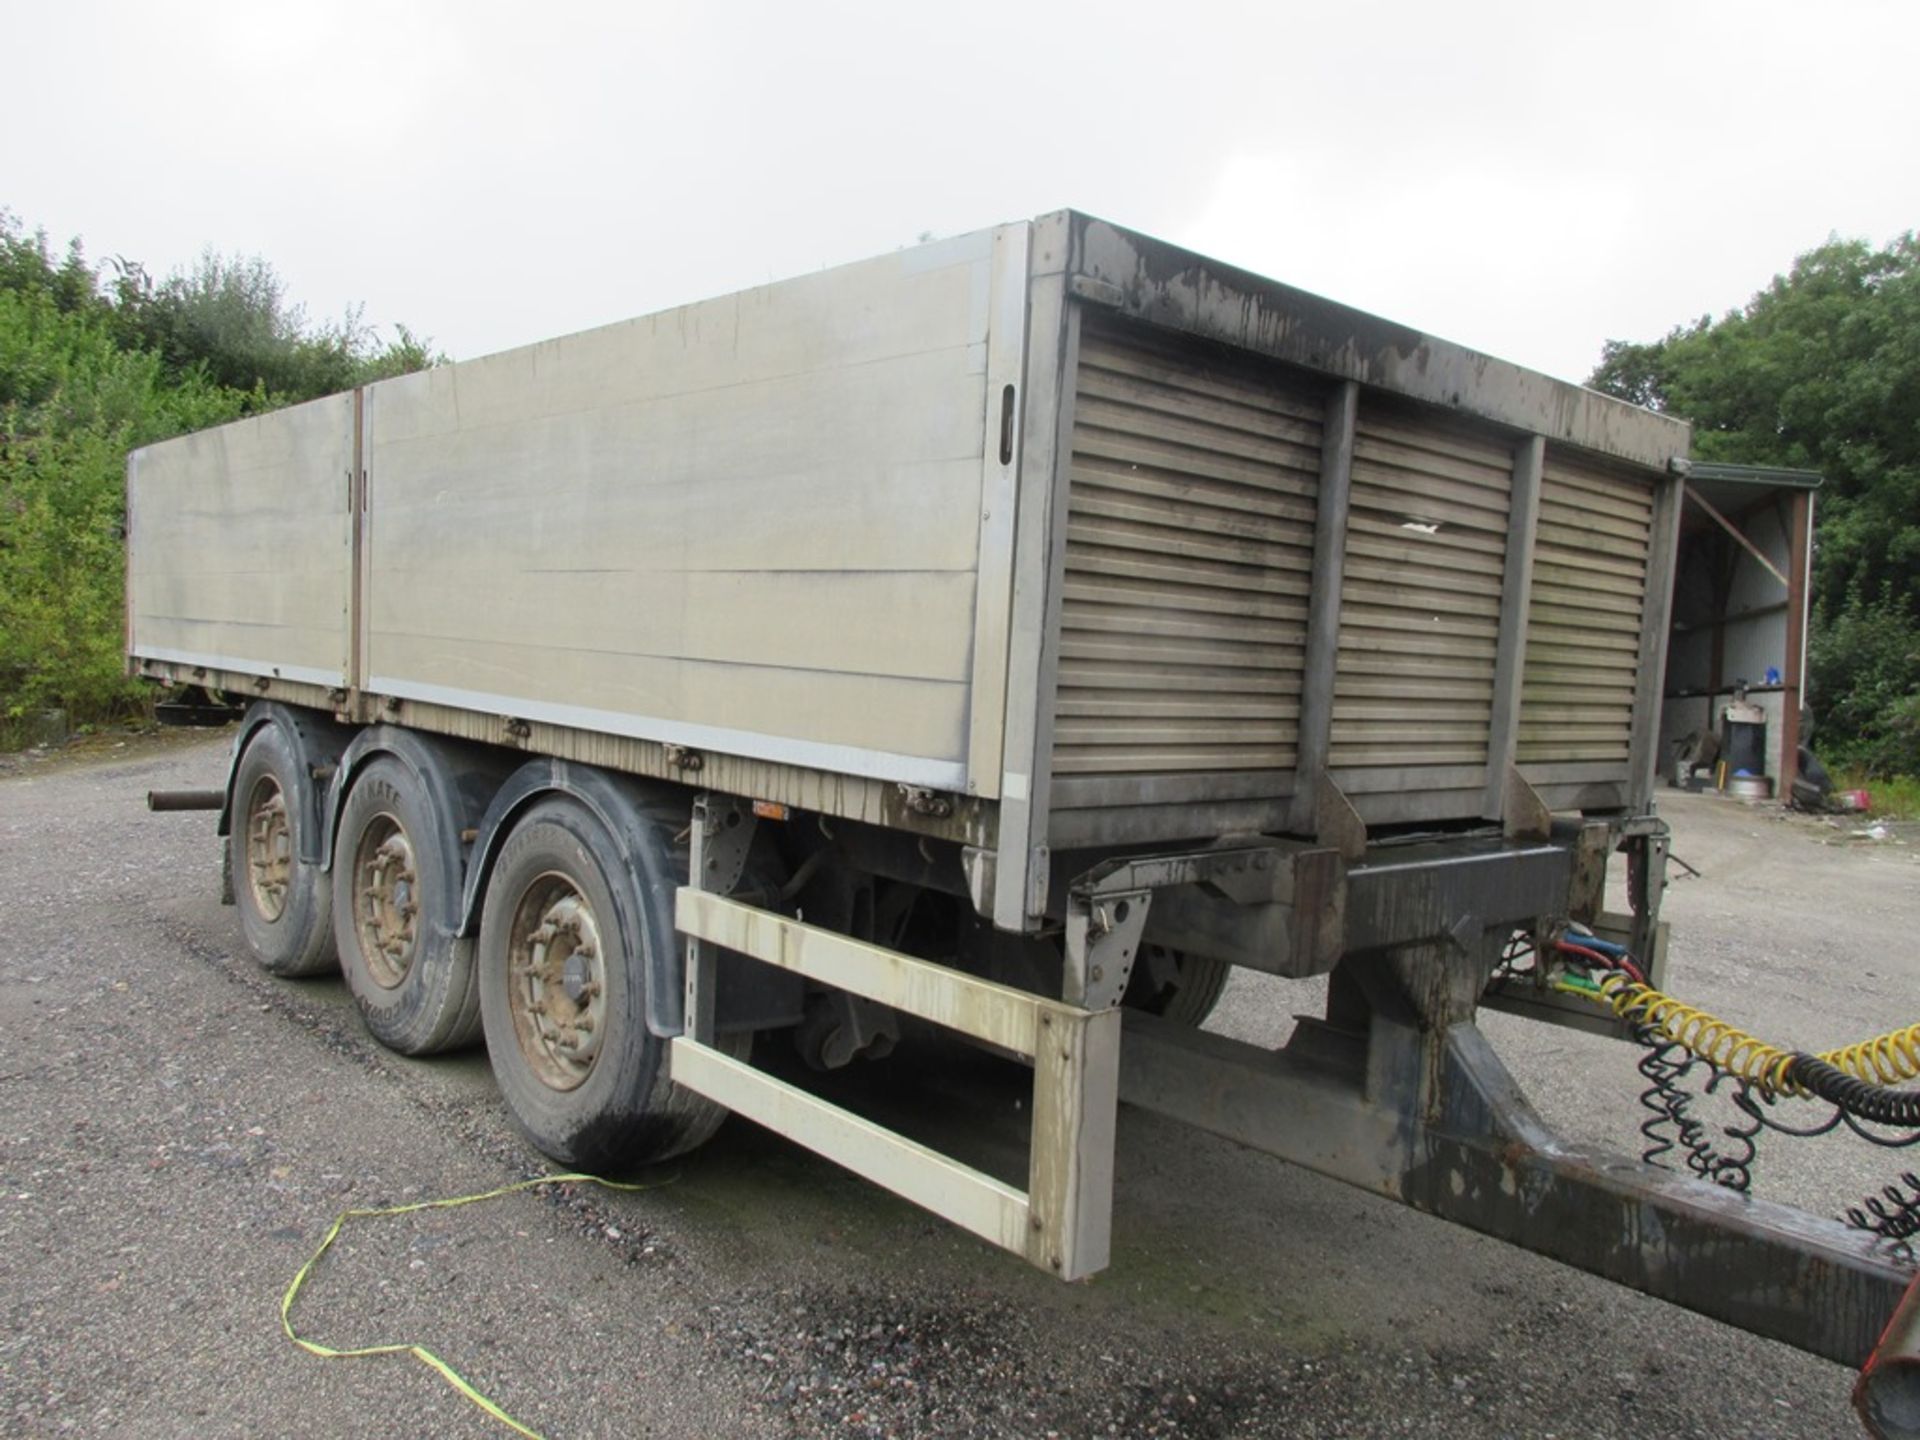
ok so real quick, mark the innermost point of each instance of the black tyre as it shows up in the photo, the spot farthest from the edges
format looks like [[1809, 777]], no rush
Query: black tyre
[[286, 906], [1175, 985], [392, 901], [565, 939]]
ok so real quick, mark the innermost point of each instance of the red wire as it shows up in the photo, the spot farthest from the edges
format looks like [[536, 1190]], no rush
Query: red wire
[[1605, 962]]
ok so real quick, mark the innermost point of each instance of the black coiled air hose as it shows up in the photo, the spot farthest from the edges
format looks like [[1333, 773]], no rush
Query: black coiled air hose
[[1876, 1103]]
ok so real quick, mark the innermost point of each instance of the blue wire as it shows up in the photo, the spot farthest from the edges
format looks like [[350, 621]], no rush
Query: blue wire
[[1594, 942]]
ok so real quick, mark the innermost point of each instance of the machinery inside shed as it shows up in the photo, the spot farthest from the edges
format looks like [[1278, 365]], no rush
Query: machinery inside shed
[[1741, 606]]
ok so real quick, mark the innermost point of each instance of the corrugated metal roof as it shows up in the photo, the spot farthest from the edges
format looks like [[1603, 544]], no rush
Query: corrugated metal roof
[[1768, 476]]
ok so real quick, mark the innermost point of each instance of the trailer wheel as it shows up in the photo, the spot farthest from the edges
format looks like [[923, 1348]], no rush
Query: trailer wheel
[[1175, 985], [286, 906], [564, 941], [413, 980]]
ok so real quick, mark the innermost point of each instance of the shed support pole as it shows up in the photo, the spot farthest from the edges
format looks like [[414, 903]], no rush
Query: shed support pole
[[1655, 620], [1799, 560]]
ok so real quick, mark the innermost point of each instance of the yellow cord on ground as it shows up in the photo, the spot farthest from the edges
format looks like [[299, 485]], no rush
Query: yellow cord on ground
[[1884, 1060], [420, 1352]]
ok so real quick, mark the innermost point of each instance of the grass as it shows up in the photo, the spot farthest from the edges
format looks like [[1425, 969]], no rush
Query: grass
[[1894, 798]]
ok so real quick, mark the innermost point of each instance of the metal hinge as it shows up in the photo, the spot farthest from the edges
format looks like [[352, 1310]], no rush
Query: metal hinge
[[922, 801]]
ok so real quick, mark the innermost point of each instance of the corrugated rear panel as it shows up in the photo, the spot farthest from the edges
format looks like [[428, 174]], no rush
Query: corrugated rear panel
[[1189, 545], [1420, 603], [1583, 621]]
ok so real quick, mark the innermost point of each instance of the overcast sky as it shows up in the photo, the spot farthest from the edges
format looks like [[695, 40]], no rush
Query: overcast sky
[[1527, 179]]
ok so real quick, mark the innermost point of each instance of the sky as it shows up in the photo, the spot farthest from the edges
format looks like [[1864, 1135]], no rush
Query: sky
[[1528, 179]]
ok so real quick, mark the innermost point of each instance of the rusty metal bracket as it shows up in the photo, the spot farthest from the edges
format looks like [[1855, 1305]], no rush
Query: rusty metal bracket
[[722, 836], [1107, 908], [1523, 814], [719, 838], [1646, 886], [1592, 849], [1338, 824], [1103, 940], [981, 868]]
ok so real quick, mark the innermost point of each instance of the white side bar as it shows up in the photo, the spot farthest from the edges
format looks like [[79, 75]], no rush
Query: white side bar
[[1064, 1221], [1076, 1093], [998, 1014], [975, 1202]]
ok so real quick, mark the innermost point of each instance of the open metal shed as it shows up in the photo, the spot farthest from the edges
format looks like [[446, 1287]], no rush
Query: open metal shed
[[1740, 600]]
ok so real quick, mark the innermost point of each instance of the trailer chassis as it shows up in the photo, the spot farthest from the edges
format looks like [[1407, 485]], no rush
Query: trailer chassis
[[1396, 1090]]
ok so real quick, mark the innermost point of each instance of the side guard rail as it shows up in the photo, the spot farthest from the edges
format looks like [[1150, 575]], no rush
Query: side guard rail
[[1062, 1221]]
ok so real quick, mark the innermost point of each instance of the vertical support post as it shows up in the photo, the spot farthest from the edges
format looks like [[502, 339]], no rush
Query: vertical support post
[[356, 666], [1516, 593], [1646, 890], [1656, 614], [365, 415], [1799, 583], [697, 1020], [1040, 538], [999, 485], [132, 666], [1076, 1089], [1323, 604], [718, 842]]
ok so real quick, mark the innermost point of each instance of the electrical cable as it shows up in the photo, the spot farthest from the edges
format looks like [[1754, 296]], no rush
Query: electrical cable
[[1621, 962], [1896, 1109], [1893, 1214], [420, 1352], [1700, 1034], [1853, 1079]]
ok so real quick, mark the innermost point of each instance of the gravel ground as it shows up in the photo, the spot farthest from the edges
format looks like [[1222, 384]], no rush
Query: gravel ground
[[177, 1130]]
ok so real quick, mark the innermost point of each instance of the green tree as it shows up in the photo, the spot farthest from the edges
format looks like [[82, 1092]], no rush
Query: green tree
[[1821, 371], [89, 371], [229, 319]]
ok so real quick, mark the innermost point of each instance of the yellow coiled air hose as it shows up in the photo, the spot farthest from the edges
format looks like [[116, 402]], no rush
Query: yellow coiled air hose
[[1884, 1060]]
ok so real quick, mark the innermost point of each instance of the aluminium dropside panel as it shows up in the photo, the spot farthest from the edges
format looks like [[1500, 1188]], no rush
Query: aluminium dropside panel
[[775, 525], [752, 525], [238, 545]]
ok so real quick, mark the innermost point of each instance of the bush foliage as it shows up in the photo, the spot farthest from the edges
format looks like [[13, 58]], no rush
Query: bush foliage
[[94, 362], [1821, 371]]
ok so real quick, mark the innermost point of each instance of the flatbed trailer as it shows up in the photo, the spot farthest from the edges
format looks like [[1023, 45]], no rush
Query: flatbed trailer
[[1014, 634]]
